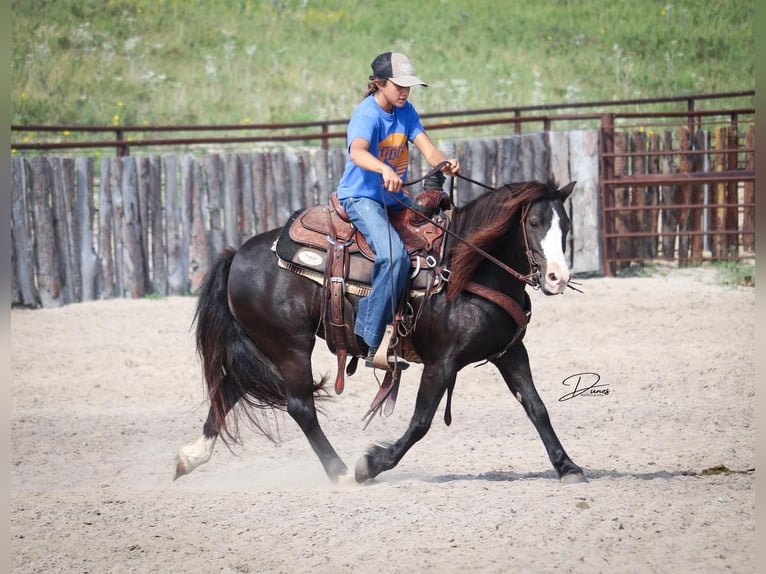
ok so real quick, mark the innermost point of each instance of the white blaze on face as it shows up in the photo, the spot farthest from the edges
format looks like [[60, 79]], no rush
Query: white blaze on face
[[556, 268]]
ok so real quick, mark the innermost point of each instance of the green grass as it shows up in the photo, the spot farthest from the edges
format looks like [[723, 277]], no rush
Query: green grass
[[735, 272], [149, 62]]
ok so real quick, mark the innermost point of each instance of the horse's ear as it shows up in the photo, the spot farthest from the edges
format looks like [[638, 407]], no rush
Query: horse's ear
[[566, 191]]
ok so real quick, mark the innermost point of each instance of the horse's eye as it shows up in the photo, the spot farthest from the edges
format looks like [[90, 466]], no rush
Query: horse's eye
[[534, 224]]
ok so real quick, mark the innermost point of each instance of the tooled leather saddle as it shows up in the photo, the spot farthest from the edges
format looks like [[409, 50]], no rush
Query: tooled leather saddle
[[322, 244]]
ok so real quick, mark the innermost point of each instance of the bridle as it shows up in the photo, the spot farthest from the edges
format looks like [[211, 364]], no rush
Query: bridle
[[533, 277]]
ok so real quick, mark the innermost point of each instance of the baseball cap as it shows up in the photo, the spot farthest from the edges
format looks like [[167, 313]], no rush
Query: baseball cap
[[397, 68]]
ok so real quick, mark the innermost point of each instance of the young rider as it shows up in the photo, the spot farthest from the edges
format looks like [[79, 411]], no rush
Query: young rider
[[378, 135]]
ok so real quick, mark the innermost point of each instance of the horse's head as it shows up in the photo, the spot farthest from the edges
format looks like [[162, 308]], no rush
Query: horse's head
[[546, 226], [489, 220]]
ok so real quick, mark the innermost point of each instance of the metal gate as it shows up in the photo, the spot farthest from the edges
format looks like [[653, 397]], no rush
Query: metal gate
[[677, 186]]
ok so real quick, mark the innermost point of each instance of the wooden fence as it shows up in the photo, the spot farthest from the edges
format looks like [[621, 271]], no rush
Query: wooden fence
[[132, 226], [684, 194]]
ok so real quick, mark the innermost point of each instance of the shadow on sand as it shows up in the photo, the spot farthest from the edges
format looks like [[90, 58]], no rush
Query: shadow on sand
[[510, 476]]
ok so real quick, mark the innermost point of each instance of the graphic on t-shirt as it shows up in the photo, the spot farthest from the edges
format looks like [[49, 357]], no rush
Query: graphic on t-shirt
[[393, 151]]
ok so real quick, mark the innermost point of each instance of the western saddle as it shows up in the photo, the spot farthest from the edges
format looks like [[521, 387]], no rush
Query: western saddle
[[322, 244]]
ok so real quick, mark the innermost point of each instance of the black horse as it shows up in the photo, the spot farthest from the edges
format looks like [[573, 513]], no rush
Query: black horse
[[256, 326]]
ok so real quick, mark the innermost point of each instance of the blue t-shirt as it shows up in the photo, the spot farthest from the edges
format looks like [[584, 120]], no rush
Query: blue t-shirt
[[389, 135]]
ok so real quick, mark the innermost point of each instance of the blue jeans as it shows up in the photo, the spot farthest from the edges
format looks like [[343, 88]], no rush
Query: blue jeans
[[389, 274]]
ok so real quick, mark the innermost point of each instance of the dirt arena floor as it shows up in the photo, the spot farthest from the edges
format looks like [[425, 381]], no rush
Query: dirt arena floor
[[104, 393]]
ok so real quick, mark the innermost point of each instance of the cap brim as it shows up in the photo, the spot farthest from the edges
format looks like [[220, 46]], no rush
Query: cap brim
[[408, 81]]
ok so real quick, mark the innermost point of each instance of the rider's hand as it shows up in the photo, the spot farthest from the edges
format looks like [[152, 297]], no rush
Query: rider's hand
[[452, 168], [391, 180]]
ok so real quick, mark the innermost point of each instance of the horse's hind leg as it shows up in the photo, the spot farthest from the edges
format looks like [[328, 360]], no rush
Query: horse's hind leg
[[197, 452], [514, 366]]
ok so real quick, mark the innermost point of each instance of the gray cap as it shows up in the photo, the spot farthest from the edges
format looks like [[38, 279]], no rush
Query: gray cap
[[397, 68]]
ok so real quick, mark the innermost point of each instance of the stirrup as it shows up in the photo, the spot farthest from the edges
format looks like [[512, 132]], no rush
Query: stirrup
[[382, 359], [394, 363]]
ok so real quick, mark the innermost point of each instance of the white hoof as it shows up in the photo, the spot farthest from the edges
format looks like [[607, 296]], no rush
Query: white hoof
[[193, 454], [574, 478]]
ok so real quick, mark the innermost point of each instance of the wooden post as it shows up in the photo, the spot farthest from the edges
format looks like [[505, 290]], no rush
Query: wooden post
[[586, 213], [134, 278], [337, 158], [260, 205], [61, 218], [247, 196], [119, 237], [46, 253], [541, 158], [270, 192], [21, 234], [607, 190], [479, 166], [322, 175], [307, 188], [273, 183], [159, 280], [558, 143], [415, 167], [106, 286], [87, 256], [297, 182], [652, 196], [176, 230], [718, 214], [695, 214], [732, 195], [684, 195], [669, 193], [143, 194], [70, 245], [623, 245], [748, 220], [211, 203], [200, 248], [232, 192], [282, 188], [638, 194], [490, 175], [508, 161]]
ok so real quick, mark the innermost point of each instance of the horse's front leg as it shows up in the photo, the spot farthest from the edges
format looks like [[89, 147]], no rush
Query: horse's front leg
[[514, 366], [382, 457]]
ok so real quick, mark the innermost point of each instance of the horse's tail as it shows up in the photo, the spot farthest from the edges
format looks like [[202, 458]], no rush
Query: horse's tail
[[234, 369]]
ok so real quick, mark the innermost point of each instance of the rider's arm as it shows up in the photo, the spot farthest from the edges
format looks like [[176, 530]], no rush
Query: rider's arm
[[433, 155], [359, 153]]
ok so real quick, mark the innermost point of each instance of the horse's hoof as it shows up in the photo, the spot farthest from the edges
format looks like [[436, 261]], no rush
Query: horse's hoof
[[345, 479], [573, 478], [362, 469], [182, 467]]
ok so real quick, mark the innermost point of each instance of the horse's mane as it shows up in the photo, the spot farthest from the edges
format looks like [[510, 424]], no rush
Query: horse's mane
[[484, 221]]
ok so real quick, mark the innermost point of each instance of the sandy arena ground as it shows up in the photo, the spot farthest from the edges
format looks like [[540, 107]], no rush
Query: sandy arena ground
[[104, 393]]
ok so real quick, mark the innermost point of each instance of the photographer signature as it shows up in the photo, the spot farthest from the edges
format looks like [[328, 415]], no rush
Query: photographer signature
[[585, 384]]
